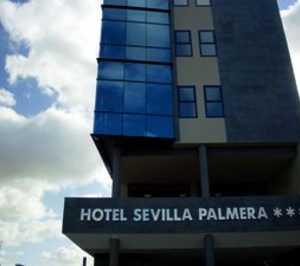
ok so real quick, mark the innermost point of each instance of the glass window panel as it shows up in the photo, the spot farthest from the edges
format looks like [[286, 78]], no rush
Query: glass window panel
[[158, 35], [136, 34], [158, 73], [182, 37], [183, 50], [207, 37], [158, 55], [202, 2], [208, 50], [213, 94], [187, 110], [113, 32], [157, 17], [186, 94], [134, 125], [137, 3], [161, 4], [159, 99], [135, 53], [114, 14], [136, 15], [109, 96], [135, 97], [111, 70], [135, 72], [214, 109], [159, 126], [108, 123], [115, 2], [180, 2], [112, 51]]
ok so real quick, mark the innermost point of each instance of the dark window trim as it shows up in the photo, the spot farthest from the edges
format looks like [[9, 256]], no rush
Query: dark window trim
[[213, 101], [137, 8], [213, 42], [191, 101], [186, 43]]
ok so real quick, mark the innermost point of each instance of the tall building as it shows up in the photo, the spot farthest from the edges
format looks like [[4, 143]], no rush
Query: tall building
[[198, 123]]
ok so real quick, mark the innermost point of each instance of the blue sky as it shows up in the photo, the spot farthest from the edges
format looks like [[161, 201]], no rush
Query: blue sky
[[47, 87]]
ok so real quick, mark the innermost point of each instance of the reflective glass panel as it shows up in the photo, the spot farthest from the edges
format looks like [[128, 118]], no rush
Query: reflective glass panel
[[112, 51], [159, 126], [186, 94], [158, 55], [180, 2], [161, 4], [159, 73], [214, 109], [111, 70], [158, 35], [134, 125], [202, 2], [208, 50], [114, 14], [136, 34], [109, 96], [135, 72], [136, 53], [213, 93], [157, 17], [182, 36], [183, 50], [136, 15], [115, 2], [207, 37], [108, 123], [137, 3], [135, 97], [187, 110], [113, 32], [159, 99]]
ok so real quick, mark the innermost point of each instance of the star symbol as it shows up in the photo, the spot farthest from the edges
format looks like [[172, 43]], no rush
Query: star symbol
[[290, 211], [277, 212]]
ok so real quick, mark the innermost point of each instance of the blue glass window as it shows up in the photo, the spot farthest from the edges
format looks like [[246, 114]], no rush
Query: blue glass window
[[213, 101], [136, 15], [114, 14], [135, 72], [136, 53], [183, 43], [207, 42], [187, 102], [115, 2], [135, 98], [158, 55], [137, 3], [159, 99], [112, 51], [108, 123], [134, 125], [111, 70], [109, 96], [202, 2], [113, 32], [136, 34], [159, 73], [158, 36], [159, 126], [180, 2], [157, 17], [160, 4]]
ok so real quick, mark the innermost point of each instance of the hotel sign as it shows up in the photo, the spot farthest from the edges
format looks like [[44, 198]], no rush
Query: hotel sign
[[181, 215]]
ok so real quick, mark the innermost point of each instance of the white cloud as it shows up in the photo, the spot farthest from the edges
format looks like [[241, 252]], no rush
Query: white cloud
[[291, 22], [63, 39], [67, 256], [7, 98]]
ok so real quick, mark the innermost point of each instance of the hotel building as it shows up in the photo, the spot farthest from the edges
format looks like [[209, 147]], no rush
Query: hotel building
[[197, 120]]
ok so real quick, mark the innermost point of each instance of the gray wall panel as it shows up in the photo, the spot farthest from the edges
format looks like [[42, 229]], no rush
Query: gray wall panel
[[260, 95]]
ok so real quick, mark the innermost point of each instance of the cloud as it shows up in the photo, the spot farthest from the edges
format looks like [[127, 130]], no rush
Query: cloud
[[54, 146], [62, 37], [291, 22], [67, 256], [7, 98]]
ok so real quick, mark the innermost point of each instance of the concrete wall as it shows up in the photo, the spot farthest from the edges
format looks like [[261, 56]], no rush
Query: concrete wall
[[260, 97]]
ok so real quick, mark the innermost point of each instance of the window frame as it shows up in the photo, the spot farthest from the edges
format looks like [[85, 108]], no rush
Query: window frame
[[219, 101], [207, 42], [194, 101], [183, 43]]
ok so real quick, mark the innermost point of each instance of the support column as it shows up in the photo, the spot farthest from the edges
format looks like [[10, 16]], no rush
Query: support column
[[114, 244], [205, 188], [209, 250], [116, 172]]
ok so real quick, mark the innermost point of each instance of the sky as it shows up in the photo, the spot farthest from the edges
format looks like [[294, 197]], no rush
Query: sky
[[48, 51]]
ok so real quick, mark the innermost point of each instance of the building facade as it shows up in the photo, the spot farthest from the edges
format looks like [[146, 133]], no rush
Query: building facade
[[197, 121]]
